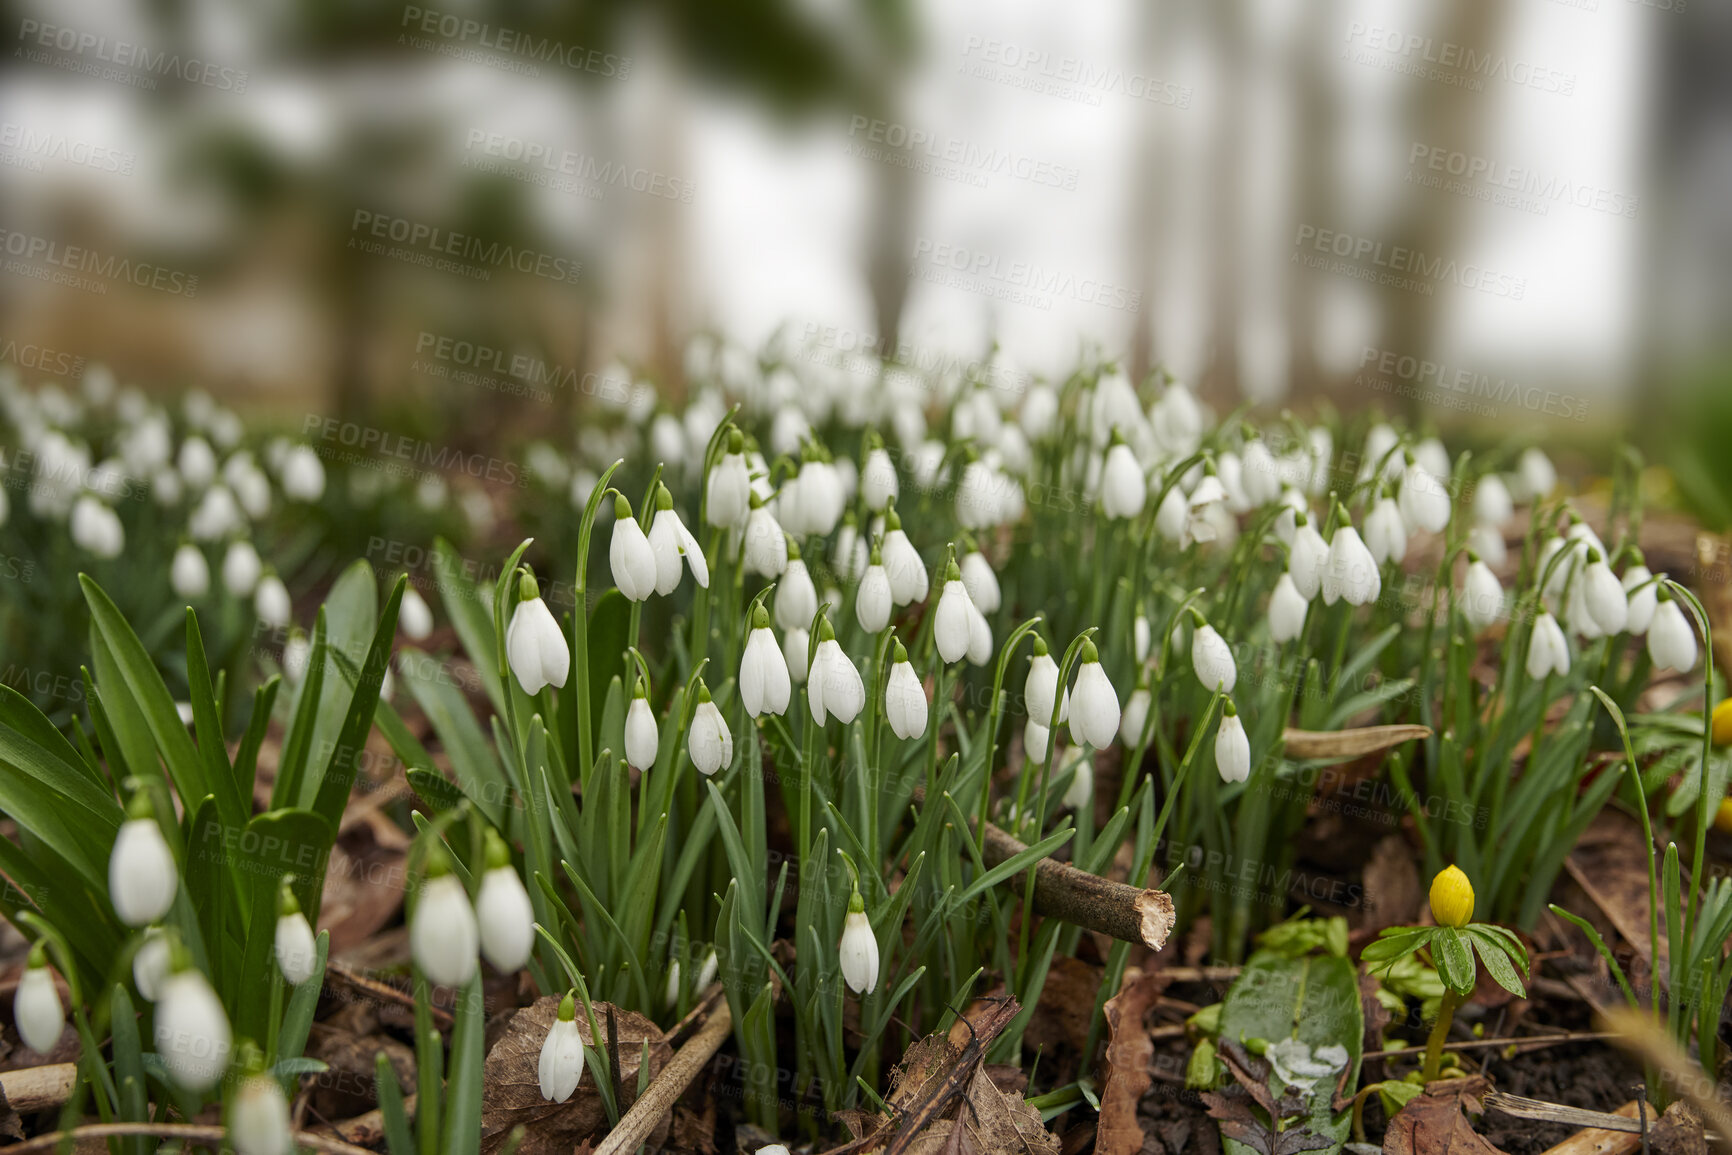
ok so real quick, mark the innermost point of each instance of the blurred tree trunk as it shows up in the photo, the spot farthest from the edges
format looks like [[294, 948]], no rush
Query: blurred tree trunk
[[1314, 121], [1220, 383], [889, 260], [1149, 191]]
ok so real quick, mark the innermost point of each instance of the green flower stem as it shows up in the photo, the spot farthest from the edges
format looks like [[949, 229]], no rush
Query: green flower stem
[[1439, 1035]]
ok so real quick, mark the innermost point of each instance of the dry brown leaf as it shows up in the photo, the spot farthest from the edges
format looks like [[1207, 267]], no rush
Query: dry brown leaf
[[512, 1092], [1129, 1049], [364, 886], [1610, 864], [1067, 1002], [1434, 1121], [1392, 885], [1349, 743], [991, 1123]]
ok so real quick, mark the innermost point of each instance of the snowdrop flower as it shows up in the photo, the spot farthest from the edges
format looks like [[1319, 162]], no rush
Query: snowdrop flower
[[196, 462], [1425, 500], [271, 602], [1172, 514], [812, 503], [1537, 474], [1642, 600], [1432, 457], [1481, 594], [192, 1031], [981, 582], [1385, 534], [96, 528], [904, 697], [1548, 652], [1288, 520], [766, 545], [1492, 504], [789, 429], [953, 620], [253, 492], [142, 876], [796, 596], [1604, 596], [834, 688], [708, 742], [1487, 541], [151, 963], [1039, 411], [1232, 747], [641, 735], [671, 994], [503, 910], [1259, 474], [873, 601], [413, 615], [879, 485], [297, 655], [669, 542], [1199, 511], [1136, 715], [1351, 572], [902, 564], [979, 636], [303, 474], [1671, 641], [36, 1008], [630, 555], [295, 947], [765, 679], [729, 486], [189, 573], [1307, 558], [1094, 716], [1380, 443], [1035, 738], [216, 515], [1041, 687], [850, 554], [1212, 658], [535, 646], [241, 569], [795, 644], [1287, 609], [1140, 637], [1177, 422], [667, 439], [1123, 490], [1081, 790], [858, 951], [561, 1067], [443, 937], [259, 1118], [1232, 479]]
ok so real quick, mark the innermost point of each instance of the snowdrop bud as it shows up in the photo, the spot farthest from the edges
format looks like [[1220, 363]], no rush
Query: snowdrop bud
[[765, 681], [414, 616], [904, 698], [1035, 739], [706, 972], [1351, 572], [36, 1005], [671, 994], [535, 646], [873, 602], [1171, 515], [1425, 499], [1041, 687], [197, 462], [296, 948], [1094, 715], [189, 574], [795, 644], [1259, 473], [834, 688], [673, 546], [443, 937], [951, 623], [641, 735], [1538, 476], [1385, 534], [1548, 652], [1492, 504], [1136, 715], [1603, 596], [1212, 659], [1287, 609], [151, 963], [630, 556], [259, 1118], [1039, 411], [142, 876], [1307, 558], [878, 482], [1081, 790], [729, 486], [192, 1031], [303, 474], [796, 597], [502, 907], [1232, 747], [858, 951], [1200, 509], [902, 564], [1123, 490], [1487, 541], [271, 602], [1640, 587], [766, 552], [1231, 477], [1671, 641], [241, 569], [561, 1066], [979, 636], [1481, 594], [981, 582], [96, 528], [215, 516], [708, 742], [851, 553]]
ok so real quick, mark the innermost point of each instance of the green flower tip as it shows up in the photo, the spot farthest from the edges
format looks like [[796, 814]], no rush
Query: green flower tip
[[498, 854], [877, 557], [1228, 708], [892, 520], [1040, 650], [621, 507], [139, 805], [1198, 621], [438, 862], [664, 499], [1593, 555], [568, 1007], [703, 691], [873, 441], [793, 547], [899, 654], [760, 617], [287, 903], [38, 957], [1089, 653], [527, 589], [825, 632], [856, 904], [952, 571], [736, 440]]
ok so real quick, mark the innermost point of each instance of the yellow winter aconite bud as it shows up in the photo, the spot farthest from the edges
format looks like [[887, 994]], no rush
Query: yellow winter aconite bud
[[1722, 723], [1723, 816], [1452, 898]]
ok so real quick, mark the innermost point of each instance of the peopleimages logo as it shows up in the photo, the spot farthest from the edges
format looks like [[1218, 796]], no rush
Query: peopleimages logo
[[1450, 63], [951, 157], [1482, 178], [28, 148], [90, 52], [546, 166], [75, 265], [1021, 282], [429, 245], [1436, 377], [1400, 261], [462, 30]]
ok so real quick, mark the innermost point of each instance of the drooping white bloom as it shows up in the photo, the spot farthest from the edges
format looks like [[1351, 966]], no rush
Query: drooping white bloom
[[834, 689], [879, 485], [795, 644], [1136, 715], [671, 993], [259, 1118], [766, 545], [297, 656], [709, 742], [902, 564], [817, 499], [857, 953], [1171, 515], [979, 496], [1351, 573], [1081, 790], [981, 582], [1432, 457], [1604, 596], [1123, 490], [671, 543], [503, 911], [1176, 420], [1200, 510], [1140, 638], [1035, 738], [192, 1031], [1307, 558], [1041, 687], [796, 596], [952, 621], [1385, 533], [1232, 747], [641, 735], [1380, 441], [1671, 641], [1425, 500], [443, 936], [96, 528], [216, 515], [1258, 473], [1481, 595], [196, 462], [1548, 651], [1287, 610], [1492, 504], [561, 1067], [1642, 593], [534, 644], [1212, 659], [630, 555], [295, 947], [979, 636], [873, 602], [189, 573], [850, 555], [1039, 411], [241, 569], [1094, 715], [1231, 476], [150, 963], [904, 698], [413, 615], [1487, 541], [1538, 476], [271, 602], [730, 486], [303, 474], [142, 877], [36, 1005]]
